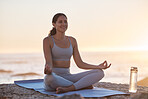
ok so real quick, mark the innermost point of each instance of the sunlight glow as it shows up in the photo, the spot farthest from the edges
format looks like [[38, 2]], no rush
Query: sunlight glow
[[97, 26]]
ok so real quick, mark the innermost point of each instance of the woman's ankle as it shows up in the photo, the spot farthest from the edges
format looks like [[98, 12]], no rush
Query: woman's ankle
[[65, 89], [71, 88]]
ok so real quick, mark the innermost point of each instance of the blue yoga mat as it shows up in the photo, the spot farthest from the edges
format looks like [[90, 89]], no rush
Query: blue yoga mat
[[38, 85]]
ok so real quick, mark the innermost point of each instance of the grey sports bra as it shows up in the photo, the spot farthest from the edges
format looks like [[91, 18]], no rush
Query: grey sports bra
[[61, 54]]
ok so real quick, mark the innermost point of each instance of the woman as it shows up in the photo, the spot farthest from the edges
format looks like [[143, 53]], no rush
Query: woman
[[58, 49]]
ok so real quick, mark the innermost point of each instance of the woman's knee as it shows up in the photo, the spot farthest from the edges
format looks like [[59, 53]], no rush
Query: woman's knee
[[100, 73], [47, 82], [48, 79]]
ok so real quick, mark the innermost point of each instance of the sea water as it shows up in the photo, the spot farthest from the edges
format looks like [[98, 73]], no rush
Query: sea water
[[13, 64]]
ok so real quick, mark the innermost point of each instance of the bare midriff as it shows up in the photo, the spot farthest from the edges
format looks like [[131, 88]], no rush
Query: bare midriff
[[61, 64]]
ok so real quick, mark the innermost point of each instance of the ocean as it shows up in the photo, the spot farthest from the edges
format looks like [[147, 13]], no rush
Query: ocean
[[25, 66]]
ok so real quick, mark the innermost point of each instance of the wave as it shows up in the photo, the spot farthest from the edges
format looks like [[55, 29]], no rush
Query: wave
[[15, 62], [5, 71], [27, 74]]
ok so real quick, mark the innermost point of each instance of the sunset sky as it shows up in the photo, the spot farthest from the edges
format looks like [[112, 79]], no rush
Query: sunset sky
[[98, 25]]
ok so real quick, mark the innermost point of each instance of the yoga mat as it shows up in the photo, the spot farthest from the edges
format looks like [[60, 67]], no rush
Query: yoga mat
[[38, 85]]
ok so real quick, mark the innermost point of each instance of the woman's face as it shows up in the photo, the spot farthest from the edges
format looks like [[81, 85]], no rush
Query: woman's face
[[61, 24]]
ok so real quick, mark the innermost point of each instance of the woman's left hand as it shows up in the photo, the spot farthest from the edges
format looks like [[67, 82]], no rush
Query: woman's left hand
[[104, 65]]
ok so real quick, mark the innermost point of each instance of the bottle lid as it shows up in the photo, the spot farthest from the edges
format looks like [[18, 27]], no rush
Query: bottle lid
[[134, 68]]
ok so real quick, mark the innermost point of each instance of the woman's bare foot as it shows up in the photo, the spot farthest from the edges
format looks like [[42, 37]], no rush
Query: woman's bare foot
[[65, 89], [89, 87], [60, 90], [70, 88]]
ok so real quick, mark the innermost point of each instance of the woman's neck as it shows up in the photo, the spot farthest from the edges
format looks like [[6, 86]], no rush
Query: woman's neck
[[60, 36]]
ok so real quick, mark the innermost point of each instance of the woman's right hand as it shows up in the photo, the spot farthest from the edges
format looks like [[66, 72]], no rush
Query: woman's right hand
[[47, 69], [104, 65]]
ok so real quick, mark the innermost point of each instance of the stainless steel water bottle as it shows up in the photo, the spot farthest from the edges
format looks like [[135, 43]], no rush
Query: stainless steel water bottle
[[133, 80]]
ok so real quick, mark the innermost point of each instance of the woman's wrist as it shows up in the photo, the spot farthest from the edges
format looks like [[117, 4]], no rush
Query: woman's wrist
[[98, 67], [48, 69], [47, 65]]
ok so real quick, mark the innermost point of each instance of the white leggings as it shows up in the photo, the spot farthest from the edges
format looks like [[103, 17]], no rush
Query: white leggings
[[61, 77]]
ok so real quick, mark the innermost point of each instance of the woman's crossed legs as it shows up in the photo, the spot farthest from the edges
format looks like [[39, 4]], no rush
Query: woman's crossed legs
[[69, 82]]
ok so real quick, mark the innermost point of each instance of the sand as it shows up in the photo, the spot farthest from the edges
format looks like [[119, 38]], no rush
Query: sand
[[143, 82], [12, 91]]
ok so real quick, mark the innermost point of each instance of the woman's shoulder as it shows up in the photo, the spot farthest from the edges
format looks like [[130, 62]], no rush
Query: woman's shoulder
[[47, 39], [72, 38]]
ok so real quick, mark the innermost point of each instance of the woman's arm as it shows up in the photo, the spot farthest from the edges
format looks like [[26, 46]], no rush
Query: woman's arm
[[47, 55], [83, 65]]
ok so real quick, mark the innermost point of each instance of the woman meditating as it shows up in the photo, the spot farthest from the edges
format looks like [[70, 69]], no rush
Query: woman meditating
[[58, 49]]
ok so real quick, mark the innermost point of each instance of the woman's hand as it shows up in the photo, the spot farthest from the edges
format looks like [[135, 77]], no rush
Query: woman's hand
[[104, 65], [47, 69]]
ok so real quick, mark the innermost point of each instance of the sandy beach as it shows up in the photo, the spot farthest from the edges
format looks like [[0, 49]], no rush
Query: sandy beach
[[143, 82], [12, 91]]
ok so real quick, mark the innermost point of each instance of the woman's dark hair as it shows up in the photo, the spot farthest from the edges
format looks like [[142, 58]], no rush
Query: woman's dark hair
[[54, 20]]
